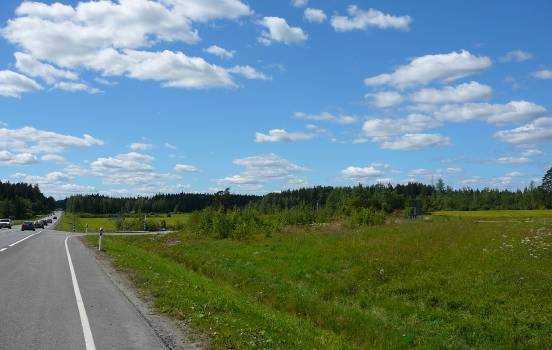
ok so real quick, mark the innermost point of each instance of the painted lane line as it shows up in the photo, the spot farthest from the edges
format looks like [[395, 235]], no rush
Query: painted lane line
[[3, 249], [21, 240], [88, 338]]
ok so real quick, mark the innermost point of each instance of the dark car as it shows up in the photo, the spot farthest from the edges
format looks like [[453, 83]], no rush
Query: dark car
[[28, 226], [49, 221], [55, 217], [39, 224]]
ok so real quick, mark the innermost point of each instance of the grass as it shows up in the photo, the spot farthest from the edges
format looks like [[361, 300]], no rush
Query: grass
[[429, 284], [109, 224], [496, 214]]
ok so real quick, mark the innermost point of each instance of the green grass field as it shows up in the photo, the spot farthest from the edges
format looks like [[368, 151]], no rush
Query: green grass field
[[452, 283], [496, 214], [109, 224]]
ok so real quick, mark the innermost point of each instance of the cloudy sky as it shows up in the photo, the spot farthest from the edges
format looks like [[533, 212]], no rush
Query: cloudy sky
[[143, 96]]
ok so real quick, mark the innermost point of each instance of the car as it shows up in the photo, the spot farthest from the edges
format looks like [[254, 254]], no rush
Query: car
[[55, 217], [28, 226], [5, 223], [39, 224], [49, 221]]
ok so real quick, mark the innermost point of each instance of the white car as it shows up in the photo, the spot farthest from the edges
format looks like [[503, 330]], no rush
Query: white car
[[5, 223]]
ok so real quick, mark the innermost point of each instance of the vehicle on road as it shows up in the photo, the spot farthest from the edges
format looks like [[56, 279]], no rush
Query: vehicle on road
[[28, 226], [5, 223], [39, 224], [49, 221], [55, 217]]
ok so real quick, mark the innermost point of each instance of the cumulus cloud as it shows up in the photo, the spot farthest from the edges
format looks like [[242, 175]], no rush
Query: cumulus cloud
[[219, 52], [278, 30], [24, 145], [453, 94], [315, 15], [371, 173], [516, 56], [425, 69], [106, 37], [140, 146], [76, 87], [259, 170], [56, 184], [248, 72], [131, 162], [380, 129], [511, 112], [341, 119], [27, 64], [543, 74], [13, 84], [185, 168], [537, 131], [359, 19], [409, 142], [299, 3], [384, 99], [56, 158], [279, 135]]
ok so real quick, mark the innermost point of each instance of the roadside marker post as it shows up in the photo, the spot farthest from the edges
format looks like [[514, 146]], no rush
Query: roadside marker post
[[100, 239]]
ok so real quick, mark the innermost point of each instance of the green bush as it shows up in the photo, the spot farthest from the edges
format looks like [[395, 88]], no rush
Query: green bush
[[365, 217]]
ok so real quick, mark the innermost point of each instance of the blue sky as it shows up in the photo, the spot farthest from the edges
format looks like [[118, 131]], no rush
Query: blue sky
[[190, 95]]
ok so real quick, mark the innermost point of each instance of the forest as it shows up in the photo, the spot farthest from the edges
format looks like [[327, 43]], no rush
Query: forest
[[23, 201]]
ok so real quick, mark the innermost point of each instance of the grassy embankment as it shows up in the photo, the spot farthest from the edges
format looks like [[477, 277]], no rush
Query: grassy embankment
[[109, 224], [452, 283]]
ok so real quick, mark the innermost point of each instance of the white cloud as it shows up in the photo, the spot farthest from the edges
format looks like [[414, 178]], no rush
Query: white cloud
[[384, 99], [299, 3], [360, 20], [280, 31], [219, 52], [381, 129], [425, 69], [131, 162], [170, 146], [453, 170], [185, 168], [13, 84], [206, 10], [410, 142], [543, 74], [453, 94], [56, 158], [262, 169], [248, 72], [140, 146], [76, 87], [9, 158], [27, 64], [56, 184], [279, 135], [532, 152], [513, 160], [517, 56], [341, 119], [23, 145], [364, 174], [538, 130], [315, 15], [105, 37], [512, 112]]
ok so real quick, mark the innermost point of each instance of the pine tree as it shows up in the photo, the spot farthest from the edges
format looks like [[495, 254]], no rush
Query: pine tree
[[547, 181]]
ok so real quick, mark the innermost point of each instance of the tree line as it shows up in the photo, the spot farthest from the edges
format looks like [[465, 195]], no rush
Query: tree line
[[23, 201]]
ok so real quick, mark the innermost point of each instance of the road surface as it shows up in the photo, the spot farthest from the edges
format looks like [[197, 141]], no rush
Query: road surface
[[54, 295]]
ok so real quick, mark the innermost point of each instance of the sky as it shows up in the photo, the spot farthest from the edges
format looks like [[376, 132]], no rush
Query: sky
[[137, 97]]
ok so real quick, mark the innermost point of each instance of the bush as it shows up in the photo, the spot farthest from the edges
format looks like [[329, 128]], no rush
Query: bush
[[365, 217]]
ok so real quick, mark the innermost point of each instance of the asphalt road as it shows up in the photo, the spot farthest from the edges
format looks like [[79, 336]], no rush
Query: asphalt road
[[54, 295]]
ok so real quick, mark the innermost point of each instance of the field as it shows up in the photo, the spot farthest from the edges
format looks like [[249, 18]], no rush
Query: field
[[497, 214], [433, 283], [109, 224]]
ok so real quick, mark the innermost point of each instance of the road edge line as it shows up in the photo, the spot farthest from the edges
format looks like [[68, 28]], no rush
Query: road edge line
[[88, 338]]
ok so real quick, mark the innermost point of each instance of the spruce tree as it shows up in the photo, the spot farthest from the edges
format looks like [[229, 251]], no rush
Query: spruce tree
[[547, 181]]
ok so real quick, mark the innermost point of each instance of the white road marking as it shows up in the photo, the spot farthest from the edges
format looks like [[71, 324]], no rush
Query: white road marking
[[3, 249], [88, 339], [21, 240]]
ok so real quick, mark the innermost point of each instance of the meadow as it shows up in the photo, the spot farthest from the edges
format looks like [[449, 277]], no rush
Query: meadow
[[110, 223], [443, 281]]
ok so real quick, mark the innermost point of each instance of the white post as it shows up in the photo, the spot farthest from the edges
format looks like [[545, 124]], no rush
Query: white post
[[100, 239]]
